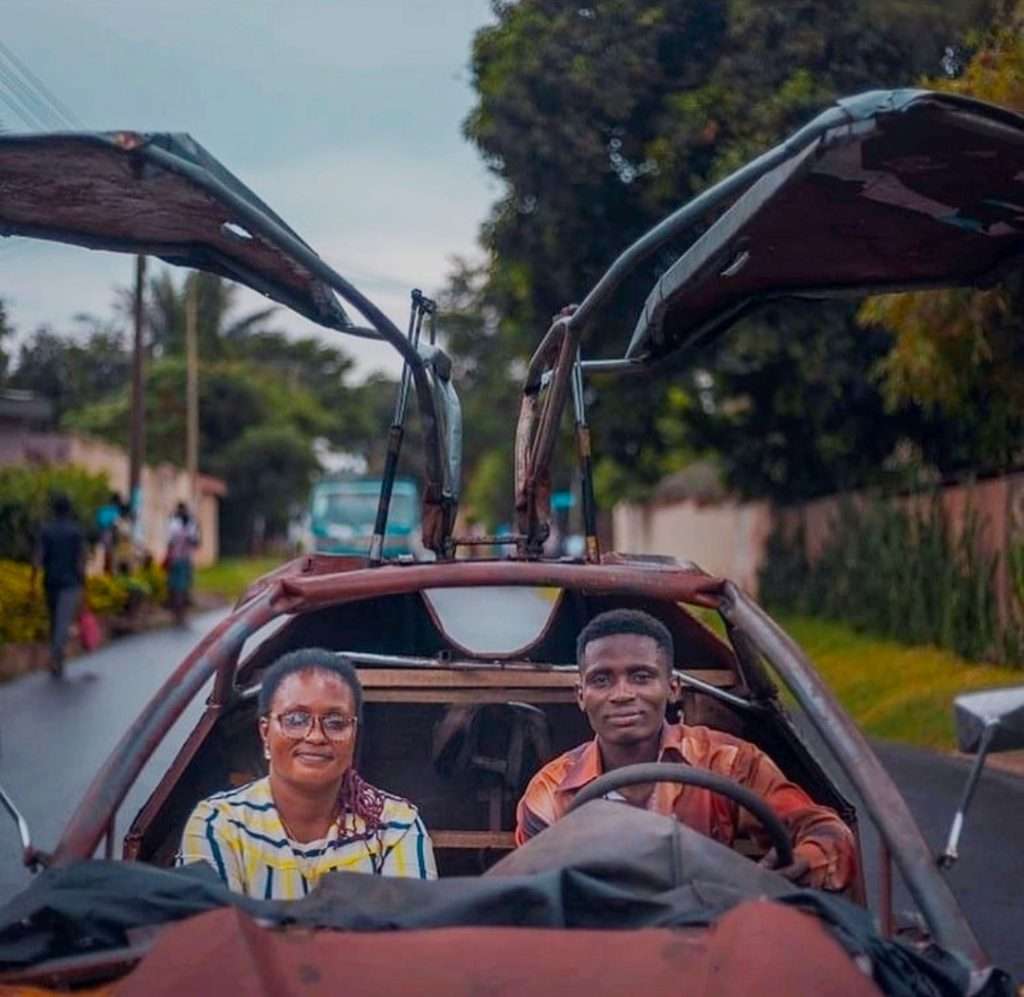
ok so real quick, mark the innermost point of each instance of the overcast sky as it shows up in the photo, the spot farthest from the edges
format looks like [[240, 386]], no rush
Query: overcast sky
[[344, 116]]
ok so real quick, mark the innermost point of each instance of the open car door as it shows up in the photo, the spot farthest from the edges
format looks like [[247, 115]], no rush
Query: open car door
[[165, 195], [887, 191]]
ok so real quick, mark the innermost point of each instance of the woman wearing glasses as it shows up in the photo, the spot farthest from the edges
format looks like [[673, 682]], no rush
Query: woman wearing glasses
[[312, 814]]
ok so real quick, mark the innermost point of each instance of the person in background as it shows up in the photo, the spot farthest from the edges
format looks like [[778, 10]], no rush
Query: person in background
[[182, 540], [123, 540], [106, 522], [61, 555]]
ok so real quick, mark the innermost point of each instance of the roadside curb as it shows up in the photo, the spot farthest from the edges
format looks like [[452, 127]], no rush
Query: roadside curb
[[1007, 762]]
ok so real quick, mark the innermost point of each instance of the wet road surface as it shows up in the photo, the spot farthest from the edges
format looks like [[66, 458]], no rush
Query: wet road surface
[[55, 735]]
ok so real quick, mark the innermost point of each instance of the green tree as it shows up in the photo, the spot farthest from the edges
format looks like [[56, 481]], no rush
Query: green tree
[[216, 329], [957, 352], [234, 397], [71, 371], [270, 469], [6, 329], [601, 119]]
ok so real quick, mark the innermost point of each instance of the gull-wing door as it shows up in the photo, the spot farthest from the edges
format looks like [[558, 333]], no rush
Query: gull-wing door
[[161, 195], [890, 190], [164, 195]]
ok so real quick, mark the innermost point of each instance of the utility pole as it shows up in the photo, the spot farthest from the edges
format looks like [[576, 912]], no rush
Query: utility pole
[[192, 390], [138, 423]]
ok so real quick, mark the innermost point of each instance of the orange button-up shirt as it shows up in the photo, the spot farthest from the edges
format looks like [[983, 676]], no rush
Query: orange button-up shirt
[[817, 832]]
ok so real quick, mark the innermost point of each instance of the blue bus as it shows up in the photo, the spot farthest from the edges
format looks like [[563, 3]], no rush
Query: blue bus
[[343, 511]]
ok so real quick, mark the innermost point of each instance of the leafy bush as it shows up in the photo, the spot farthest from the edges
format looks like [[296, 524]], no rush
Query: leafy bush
[[895, 571], [24, 503], [23, 615]]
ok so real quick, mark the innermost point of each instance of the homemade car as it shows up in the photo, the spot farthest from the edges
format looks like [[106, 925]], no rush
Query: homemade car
[[886, 190]]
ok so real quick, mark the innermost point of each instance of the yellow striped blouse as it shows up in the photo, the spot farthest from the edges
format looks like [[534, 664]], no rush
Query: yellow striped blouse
[[240, 834]]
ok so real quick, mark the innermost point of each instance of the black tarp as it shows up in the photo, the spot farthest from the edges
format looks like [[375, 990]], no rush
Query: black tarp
[[577, 874]]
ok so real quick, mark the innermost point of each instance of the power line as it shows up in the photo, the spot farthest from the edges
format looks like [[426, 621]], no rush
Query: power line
[[20, 107], [28, 97], [63, 111]]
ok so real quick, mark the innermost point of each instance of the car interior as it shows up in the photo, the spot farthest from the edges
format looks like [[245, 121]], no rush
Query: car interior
[[458, 731]]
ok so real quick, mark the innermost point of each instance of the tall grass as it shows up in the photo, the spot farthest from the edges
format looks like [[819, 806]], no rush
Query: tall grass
[[895, 570]]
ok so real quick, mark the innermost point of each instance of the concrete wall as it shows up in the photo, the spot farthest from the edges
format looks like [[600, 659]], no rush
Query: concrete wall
[[724, 539], [729, 538], [163, 486]]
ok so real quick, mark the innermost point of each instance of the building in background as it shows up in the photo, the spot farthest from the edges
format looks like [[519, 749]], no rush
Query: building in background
[[163, 486]]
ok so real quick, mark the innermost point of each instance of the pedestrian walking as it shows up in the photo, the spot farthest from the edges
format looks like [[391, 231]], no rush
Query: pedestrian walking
[[106, 522], [182, 540], [61, 555]]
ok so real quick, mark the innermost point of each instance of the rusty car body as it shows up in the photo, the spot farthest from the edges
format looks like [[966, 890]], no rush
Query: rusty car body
[[887, 190]]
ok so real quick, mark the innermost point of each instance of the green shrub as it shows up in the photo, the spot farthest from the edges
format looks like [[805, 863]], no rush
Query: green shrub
[[23, 615], [895, 571], [24, 503]]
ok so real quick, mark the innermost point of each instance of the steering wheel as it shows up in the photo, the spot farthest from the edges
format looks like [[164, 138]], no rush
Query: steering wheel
[[631, 775]]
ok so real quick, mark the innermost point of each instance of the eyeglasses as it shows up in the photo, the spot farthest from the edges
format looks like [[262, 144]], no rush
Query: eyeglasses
[[298, 724]]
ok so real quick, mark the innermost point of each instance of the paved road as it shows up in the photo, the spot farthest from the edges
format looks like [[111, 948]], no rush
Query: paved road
[[988, 880], [54, 736]]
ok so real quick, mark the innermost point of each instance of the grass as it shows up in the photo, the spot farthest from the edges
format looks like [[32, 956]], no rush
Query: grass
[[231, 576], [895, 691]]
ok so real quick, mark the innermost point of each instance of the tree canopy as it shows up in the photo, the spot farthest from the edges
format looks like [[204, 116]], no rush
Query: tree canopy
[[959, 352], [602, 118], [267, 402]]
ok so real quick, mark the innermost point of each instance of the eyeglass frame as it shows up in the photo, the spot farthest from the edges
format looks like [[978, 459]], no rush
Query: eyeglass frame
[[315, 720]]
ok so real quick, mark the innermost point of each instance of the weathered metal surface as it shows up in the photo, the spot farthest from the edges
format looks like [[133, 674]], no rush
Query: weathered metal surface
[[913, 190], [751, 947], [299, 593], [882, 800]]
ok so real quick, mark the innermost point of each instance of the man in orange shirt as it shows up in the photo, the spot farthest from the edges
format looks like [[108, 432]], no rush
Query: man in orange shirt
[[626, 659]]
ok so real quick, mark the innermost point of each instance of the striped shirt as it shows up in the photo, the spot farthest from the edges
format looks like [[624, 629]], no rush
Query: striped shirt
[[817, 832], [240, 834]]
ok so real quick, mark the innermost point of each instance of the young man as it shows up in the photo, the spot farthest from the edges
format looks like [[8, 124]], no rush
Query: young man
[[626, 660], [61, 555]]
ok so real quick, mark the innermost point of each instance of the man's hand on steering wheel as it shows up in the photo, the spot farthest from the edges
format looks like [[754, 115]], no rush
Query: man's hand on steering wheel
[[794, 872]]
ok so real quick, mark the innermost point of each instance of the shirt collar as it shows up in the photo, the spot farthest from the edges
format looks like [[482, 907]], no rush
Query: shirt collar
[[675, 746]]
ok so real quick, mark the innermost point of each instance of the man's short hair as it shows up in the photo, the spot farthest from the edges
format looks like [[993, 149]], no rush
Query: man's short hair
[[626, 621]]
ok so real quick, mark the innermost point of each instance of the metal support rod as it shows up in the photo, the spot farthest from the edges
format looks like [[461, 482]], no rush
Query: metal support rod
[[885, 889], [619, 366], [949, 854], [586, 463], [882, 800], [138, 414], [500, 540], [108, 843], [396, 433], [27, 851], [192, 389], [413, 662]]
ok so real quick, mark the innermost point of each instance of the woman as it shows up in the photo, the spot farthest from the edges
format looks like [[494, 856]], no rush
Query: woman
[[276, 837], [182, 539]]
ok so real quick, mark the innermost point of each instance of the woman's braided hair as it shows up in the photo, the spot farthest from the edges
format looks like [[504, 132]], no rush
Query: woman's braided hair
[[356, 798]]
